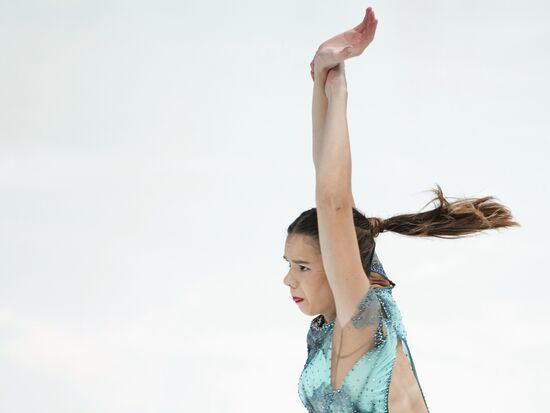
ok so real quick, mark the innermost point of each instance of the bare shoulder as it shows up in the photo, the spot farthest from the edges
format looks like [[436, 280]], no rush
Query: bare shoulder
[[341, 257]]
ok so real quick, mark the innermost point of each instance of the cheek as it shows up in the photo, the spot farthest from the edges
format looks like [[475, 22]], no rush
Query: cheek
[[326, 292], [321, 290]]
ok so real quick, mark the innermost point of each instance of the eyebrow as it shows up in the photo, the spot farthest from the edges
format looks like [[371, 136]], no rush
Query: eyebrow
[[297, 261]]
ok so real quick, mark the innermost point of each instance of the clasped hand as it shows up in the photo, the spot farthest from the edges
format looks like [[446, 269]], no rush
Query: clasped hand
[[343, 46]]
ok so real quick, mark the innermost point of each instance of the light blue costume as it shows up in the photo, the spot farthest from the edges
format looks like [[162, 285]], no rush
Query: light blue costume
[[366, 386]]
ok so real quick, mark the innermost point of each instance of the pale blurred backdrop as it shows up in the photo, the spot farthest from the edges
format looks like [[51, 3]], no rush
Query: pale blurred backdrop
[[152, 155]]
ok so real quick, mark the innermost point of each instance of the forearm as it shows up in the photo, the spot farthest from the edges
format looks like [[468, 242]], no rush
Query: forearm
[[333, 167], [318, 113]]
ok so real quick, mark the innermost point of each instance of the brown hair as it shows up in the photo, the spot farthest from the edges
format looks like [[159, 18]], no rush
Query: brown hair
[[455, 219]]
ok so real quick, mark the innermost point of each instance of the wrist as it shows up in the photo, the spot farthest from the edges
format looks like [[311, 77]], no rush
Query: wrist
[[320, 65], [337, 92], [320, 76]]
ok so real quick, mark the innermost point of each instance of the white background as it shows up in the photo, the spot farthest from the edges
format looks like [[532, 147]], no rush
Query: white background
[[152, 155]]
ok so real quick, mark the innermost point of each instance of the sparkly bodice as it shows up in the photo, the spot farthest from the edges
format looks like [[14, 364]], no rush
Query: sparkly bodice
[[365, 387]]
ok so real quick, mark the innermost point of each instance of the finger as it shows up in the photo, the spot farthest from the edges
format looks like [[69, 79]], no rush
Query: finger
[[365, 22], [372, 28], [369, 33]]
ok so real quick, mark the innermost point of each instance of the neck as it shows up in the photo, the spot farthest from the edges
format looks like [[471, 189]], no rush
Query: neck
[[329, 317]]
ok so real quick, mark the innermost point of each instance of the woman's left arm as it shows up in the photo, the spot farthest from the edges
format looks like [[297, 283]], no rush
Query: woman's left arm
[[319, 112], [331, 149], [333, 154], [337, 234]]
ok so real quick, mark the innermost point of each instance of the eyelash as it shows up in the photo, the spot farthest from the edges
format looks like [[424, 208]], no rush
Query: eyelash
[[301, 266]]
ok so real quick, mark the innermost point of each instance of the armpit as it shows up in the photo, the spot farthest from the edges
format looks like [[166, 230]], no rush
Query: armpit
[[369, 310]]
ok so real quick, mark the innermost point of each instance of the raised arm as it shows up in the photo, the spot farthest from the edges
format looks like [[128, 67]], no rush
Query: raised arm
[[332, 147], [319, 108], [330, 53], [333, 192], [333, 195], [319, 111]]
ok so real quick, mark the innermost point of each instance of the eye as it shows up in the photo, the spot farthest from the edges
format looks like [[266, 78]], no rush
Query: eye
[[301, 266]]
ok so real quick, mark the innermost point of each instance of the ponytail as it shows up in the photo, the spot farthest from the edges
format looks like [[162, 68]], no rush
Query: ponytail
[[448, 219]]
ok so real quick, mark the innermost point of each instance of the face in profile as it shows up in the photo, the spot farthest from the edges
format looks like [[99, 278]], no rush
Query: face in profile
[[306, 277]]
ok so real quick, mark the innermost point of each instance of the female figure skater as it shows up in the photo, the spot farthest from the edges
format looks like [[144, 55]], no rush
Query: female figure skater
[[358, 358]]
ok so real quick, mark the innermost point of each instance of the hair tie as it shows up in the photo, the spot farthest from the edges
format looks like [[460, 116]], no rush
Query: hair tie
[[376, 226]]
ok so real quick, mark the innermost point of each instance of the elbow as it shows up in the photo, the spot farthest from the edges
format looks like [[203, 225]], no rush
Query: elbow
[[334, 201]]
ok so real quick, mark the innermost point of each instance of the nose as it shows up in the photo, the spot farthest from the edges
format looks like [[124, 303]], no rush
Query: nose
[[286, 280]]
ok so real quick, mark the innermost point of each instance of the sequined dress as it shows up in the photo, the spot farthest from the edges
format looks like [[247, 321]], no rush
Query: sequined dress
[[365, 387]]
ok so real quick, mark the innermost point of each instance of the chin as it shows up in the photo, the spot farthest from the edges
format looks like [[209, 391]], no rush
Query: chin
[[307, 312]]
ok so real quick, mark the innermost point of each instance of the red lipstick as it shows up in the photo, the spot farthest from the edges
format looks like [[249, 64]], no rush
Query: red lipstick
[[297, 299]]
